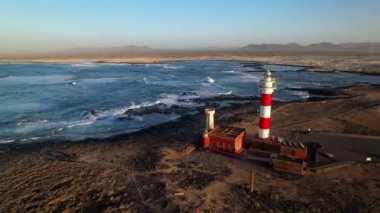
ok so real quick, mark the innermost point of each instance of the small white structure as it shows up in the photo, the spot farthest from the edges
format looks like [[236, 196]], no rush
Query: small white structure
[[210, 112]]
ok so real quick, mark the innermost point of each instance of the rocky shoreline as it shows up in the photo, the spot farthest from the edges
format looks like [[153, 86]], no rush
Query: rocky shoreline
[[185, 117]]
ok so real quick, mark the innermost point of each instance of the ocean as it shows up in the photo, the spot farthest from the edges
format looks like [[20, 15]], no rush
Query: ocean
[[75, 101]]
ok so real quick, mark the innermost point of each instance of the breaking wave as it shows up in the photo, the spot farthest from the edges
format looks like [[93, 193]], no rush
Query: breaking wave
[[24, 122], [165, 66], [229, 71], [166, 101], [250, 77], [301, 94], [123, 110], [85, 64], [6, 141], [210, 80], [30, 139], [80, 124], [144, 80], [226, 93]]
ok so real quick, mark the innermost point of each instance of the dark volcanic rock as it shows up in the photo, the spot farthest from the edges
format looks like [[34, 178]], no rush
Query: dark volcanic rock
[[55, 155], [189, 94], [252, 64], [321, 91], [256, 65]]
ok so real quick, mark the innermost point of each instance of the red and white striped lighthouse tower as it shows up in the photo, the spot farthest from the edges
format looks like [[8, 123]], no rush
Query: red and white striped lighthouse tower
[[267, 88]]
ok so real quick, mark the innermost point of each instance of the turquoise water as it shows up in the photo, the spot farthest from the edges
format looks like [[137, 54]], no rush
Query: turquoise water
[[80, 100]]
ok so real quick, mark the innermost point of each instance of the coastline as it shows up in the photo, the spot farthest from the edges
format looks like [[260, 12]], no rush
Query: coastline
[[328, 94], [345, 62]]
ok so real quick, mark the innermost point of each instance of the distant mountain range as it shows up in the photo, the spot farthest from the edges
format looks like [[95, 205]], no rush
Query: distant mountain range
[[141, 51], [124, 49], [295, 47], [324, 46]]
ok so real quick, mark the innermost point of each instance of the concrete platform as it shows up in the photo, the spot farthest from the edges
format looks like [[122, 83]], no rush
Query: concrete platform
[[346, 147]]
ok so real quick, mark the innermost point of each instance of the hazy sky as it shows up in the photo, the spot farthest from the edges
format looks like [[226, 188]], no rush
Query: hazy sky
[[62, 24]]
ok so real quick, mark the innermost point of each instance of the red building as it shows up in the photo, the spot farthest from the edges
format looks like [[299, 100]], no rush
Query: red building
[[226, 138]]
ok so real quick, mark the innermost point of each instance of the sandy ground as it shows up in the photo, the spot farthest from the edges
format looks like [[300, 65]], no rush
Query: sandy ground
[[160, 169], [366, 63]]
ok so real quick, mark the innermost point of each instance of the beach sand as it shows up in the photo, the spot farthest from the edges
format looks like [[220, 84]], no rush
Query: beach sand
[[160, 169]]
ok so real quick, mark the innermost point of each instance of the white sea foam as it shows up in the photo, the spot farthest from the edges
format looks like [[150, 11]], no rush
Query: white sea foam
[[250, 77], [301, 94], [85, 64], [249, 69], [189, 96], [100, 80], [123, 110], [229, 71], [166, 66], [92, 116], [226, 93], [24, 122], [210, 80], [293, 86], [179, 100], [38, 79], [25, 126], [172, 67], [80, 124], [169, 99], [6, 141], [120, 111], [145, 80], [30, 139]]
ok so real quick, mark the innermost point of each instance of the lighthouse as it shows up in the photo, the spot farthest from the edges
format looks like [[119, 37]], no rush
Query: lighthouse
[[267, 87]]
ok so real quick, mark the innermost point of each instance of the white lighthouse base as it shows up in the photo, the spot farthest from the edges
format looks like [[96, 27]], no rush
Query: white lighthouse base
[[263, 133]]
